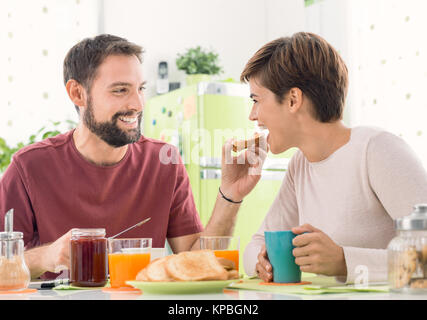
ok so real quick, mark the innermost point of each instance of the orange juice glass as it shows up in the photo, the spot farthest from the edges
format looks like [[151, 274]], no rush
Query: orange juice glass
[[223, 246], [126, 257]]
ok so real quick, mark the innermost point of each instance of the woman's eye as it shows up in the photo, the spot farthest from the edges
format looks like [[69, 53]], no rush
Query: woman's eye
[[142, 88], [254, 101]]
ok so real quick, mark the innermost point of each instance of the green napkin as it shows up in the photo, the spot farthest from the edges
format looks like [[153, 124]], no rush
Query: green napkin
[[319, 285], [349, 288], [71, 287]]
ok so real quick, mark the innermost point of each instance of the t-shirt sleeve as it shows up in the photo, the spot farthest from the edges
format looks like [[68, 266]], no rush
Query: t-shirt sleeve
[[14, 193], [399, 180], [282, 215], [184, 218]]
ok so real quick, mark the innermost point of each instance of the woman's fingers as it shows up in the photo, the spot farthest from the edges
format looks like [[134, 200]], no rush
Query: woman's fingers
[[263, 267]]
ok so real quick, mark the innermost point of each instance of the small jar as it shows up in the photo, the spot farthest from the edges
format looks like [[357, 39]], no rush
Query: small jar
[[88, 258], [14, 273], [407, 253]]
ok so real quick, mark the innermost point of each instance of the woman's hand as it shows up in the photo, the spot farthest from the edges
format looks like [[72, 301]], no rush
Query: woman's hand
[[317, 253], [241, 173], [263, 267]]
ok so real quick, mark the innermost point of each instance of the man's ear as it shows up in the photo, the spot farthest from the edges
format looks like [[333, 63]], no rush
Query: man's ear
[[295, 99], [76, 92]]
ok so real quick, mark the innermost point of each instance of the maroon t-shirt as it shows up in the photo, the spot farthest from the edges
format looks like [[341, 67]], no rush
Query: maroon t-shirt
[[52, 189]]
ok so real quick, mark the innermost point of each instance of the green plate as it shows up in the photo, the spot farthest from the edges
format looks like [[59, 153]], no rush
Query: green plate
[[181, 287]]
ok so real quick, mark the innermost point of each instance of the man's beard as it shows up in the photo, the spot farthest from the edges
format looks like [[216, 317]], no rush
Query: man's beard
[[109, 131]]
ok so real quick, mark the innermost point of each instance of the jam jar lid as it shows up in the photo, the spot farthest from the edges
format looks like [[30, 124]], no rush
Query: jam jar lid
[[417, 220], [11, 235], [88, 232]]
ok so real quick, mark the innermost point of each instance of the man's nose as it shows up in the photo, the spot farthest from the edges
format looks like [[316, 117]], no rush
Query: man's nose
[[137, 102]]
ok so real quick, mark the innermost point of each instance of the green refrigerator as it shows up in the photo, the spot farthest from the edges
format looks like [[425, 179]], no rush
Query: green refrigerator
[[198, 119]]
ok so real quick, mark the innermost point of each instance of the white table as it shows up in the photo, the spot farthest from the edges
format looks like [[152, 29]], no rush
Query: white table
[[230, 294]]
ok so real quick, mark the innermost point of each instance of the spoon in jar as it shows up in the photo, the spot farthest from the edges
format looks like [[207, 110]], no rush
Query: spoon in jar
[[130, 228], [8, 227]]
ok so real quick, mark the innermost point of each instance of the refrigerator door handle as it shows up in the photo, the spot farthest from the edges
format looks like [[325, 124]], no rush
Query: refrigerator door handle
[[210, 174], [210, 162], [206, 174], [273, 175]]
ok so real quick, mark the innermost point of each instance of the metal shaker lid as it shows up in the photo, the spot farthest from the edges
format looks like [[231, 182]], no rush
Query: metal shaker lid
[[417, 220], [11, 235], [8, 233]]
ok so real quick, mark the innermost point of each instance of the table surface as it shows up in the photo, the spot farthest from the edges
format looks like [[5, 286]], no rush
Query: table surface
[[230, 294], [227, 294]]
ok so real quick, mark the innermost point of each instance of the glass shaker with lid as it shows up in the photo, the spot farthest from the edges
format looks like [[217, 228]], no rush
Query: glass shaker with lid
[[407, 253], [88, 258], [14, 273]]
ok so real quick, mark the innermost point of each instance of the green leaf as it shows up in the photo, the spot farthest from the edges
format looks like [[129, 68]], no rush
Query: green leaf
[[50, 134], [32, 139], [40, 130]]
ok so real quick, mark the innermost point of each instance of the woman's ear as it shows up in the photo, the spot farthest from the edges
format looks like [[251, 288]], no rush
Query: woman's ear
[[76, 92], [295, 99]]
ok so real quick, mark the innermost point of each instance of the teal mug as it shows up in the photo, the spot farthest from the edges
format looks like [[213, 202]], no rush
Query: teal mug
[[279, 250]]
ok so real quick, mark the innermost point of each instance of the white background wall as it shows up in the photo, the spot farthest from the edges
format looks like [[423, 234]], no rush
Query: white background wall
[[36, 35], [233, 28], [384, 47], [381, 41]]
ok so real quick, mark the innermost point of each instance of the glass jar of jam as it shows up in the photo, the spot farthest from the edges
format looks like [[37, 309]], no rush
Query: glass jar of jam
[[88, 258]]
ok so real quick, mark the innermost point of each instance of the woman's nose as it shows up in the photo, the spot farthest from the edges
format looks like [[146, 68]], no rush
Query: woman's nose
[[253, 116]]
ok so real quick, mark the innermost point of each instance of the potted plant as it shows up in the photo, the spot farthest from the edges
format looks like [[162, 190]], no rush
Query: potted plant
[[198, 64]]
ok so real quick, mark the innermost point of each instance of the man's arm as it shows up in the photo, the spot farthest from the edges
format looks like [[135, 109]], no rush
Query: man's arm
[[239, 176], [35, 262], [53, 257], [221, 223]]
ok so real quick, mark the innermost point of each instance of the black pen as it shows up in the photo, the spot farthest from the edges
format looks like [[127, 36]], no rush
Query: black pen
[[44, 285]]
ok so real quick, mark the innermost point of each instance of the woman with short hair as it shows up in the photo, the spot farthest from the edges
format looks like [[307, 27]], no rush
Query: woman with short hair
[[344, 186]]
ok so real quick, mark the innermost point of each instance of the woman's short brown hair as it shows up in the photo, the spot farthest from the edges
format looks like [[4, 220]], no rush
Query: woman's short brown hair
[[305, 61]]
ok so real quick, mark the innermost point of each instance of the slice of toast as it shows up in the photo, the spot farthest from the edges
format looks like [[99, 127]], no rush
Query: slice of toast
[[240, 145], [195, 266], [155, 271]]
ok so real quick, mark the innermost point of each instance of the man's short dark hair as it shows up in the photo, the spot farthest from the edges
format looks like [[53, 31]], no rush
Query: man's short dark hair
[[83, 60]]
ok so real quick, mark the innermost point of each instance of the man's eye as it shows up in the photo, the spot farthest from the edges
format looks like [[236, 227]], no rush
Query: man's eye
[[121, 90], [142, 88], [254, 101]]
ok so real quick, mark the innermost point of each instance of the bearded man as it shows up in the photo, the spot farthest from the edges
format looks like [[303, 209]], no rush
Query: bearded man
[[105, 174]]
